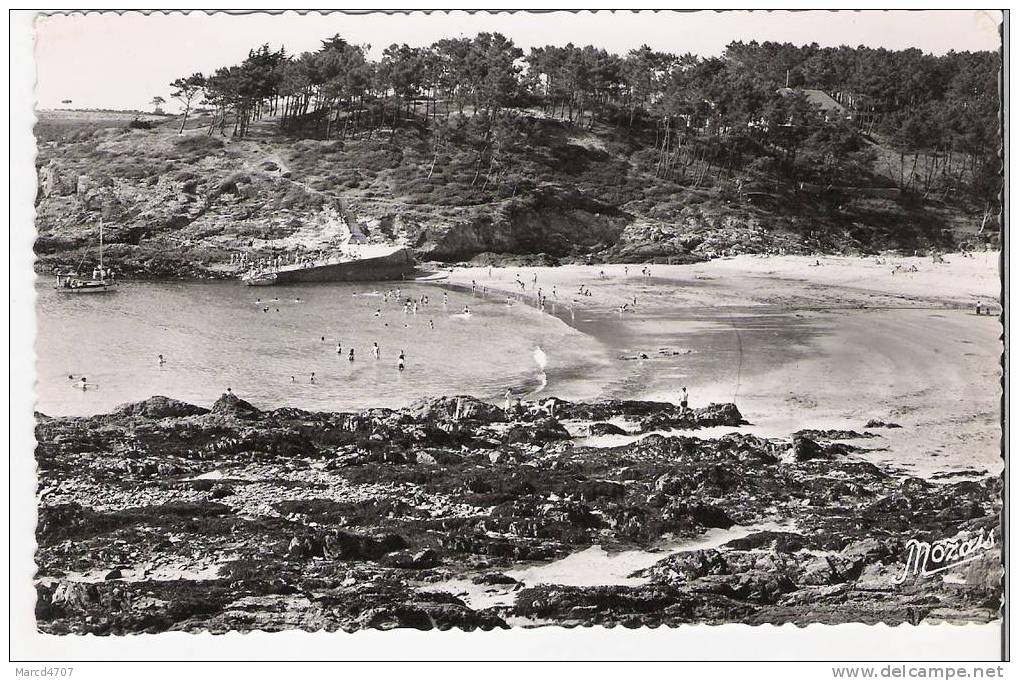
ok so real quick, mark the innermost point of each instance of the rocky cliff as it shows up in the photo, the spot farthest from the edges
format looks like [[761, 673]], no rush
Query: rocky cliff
[[181, 205]]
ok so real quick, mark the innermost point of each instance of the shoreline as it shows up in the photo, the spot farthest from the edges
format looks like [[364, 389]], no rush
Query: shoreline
[[887, 340]]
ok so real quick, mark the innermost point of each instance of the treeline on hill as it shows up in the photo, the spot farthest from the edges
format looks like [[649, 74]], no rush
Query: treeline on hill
[[804, 114]]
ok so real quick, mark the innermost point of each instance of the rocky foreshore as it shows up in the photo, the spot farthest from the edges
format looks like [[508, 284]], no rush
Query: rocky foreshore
[[168, 516]]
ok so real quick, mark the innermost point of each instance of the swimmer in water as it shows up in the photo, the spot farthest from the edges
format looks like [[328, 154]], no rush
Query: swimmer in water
[[466, 310], [378, 313], [350, 357], [431, 325], [312, 377], [84, 383], [400, 361], [70, 377], [161, 361]]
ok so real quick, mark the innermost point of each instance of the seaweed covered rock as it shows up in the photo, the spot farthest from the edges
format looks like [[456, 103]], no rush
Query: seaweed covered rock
[[455, 408], [602, 428], [543, 430], [231, 405], [159, 407]]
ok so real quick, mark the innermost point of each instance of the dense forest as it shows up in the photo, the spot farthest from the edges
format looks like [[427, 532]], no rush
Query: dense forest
[[803, 114]]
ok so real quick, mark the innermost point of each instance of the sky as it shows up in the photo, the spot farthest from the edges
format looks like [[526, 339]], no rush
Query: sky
[[122, 61]]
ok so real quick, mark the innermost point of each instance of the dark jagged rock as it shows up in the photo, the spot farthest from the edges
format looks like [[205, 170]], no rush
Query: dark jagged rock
[[410, 560], [543, 430], [830, 434], [805, 449], [340, 545], [456, 408], [677, 418], [494, 578], [880, 424], [159, 407], [231, 405], [606, 429], [283, 519]]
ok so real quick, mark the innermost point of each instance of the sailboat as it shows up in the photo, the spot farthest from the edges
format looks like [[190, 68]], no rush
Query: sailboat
[[101, 280]]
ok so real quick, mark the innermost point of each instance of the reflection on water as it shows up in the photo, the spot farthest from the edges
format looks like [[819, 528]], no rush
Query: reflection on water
[[264, 344]]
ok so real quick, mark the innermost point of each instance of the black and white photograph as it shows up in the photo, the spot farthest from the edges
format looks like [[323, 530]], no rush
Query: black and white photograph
[[514, 320]]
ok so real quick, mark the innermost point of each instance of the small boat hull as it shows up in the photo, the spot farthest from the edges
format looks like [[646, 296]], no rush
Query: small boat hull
[[260, 280], [87, 287]]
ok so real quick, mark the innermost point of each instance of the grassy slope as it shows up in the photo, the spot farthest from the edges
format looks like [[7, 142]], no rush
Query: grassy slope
[[180, 205]]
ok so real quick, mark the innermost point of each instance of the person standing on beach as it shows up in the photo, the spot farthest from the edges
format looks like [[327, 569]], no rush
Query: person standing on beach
[[684, 400], [350, 357], [375, 352], [400, 361], [509, 401], [979, 308], [312, 380]]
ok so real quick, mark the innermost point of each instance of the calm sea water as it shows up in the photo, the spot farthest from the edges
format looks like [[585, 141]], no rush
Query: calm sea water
[[215, 336]]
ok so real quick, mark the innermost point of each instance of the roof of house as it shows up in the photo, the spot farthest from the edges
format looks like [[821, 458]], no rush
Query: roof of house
[[818, 98]]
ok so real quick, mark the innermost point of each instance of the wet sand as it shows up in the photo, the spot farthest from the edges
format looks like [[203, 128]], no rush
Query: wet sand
[[797, 345]]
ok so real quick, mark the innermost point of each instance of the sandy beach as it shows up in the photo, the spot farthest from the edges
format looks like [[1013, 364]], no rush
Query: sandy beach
[[849, 342]]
